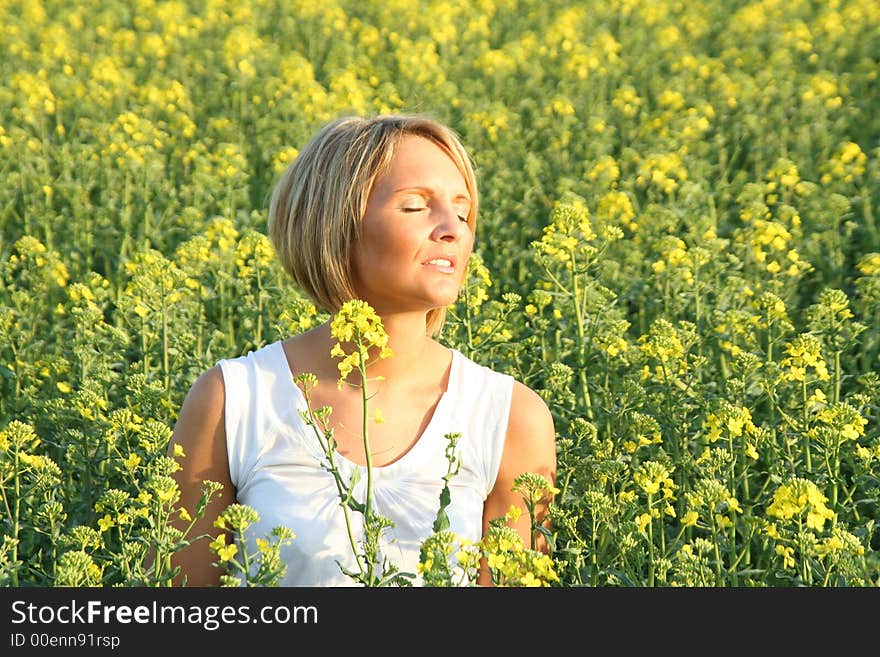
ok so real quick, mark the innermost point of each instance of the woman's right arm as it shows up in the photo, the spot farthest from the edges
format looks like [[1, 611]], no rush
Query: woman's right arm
[[201, 432]]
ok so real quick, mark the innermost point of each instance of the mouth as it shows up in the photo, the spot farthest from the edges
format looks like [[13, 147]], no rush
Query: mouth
[[445, 264]]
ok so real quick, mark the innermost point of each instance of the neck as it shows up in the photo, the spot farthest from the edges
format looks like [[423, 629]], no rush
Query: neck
[[409, 345]]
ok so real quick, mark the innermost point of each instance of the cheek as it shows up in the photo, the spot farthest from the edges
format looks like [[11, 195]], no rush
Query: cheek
[[467, 247], [361, 256], [375, 254]]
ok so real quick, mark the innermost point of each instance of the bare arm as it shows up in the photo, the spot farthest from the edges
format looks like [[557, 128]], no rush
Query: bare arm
[[201, 432], [530, 446]]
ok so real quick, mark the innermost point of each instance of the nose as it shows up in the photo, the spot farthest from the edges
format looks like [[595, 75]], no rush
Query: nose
[[448, 226]]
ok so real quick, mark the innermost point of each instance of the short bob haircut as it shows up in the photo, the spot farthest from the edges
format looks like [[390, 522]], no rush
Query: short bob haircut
[[316, 208]]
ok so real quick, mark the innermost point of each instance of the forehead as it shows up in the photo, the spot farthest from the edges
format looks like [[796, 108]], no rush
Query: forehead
[[419, 160]]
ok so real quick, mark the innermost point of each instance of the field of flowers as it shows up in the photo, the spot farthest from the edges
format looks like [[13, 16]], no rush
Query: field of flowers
[[677, 248]]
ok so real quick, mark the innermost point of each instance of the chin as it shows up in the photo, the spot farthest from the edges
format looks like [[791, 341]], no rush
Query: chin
[[445, 300]]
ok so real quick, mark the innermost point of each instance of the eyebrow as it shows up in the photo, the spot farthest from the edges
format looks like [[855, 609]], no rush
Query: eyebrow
[[461, 196]]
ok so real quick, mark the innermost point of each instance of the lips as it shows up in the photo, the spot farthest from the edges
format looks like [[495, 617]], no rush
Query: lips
[[444, 263]]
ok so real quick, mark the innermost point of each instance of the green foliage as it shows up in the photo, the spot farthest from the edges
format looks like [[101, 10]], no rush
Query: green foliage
[[677, 248]]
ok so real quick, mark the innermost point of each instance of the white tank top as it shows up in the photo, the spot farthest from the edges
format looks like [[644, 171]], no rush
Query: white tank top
[[275, 463]]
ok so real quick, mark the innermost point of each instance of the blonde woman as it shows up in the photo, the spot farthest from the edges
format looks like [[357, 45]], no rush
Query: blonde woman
[[382, 209]]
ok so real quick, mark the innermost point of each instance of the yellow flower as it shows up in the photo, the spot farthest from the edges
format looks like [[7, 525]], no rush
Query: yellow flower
[[166, 494], [864, 453], [63, 387], [723, 522], [799, 497], [223, 551], [787, 554], [106, 523], [513, 513], [132, 462], [184, 515], [642, 521]]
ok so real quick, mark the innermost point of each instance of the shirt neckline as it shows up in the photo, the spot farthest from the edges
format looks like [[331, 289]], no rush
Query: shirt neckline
[[420, 444]]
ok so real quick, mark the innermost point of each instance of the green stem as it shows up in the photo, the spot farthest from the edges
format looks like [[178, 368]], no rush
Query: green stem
[[718, 578], [165, 361], [368, 503], [806, 435], [144, 347], [594, 560], [650, 542], [467, 321], [582, 347], [837, 377], [334, 470], [16, 513], [259, 337]]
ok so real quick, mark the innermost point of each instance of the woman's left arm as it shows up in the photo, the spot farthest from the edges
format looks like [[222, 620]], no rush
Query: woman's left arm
[[530, 446]]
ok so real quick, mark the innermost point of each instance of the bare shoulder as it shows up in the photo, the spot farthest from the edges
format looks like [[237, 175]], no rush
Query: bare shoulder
[[530, 444], [529, 447], [531, 422], [199, 443], [200, 426], [208, 394]]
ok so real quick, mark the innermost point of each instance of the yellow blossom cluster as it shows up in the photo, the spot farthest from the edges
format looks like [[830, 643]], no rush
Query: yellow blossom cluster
[[845, 419], [612, 341], [674, 257], [652, 476], [477, 282], [804, 352], [239, 47], [283, 158], [222, 233], [514, 565], [846, 165], [356, 324], [783, 176], [155, 284], [254, 254], [492, 121], [801, 499], [626, 101], [135, 141], [869, 264], [665, 171], [770, 243], [39, 99], [665, 345], [737, 422], [31, 261], [606, 172], [826, 89], [570, 229], [840, 541], [615, 207]]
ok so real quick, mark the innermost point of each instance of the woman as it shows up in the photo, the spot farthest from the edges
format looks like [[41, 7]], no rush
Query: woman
[[381, 209]]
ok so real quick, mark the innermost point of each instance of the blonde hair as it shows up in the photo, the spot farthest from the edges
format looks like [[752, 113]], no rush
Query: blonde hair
[[317, 205]]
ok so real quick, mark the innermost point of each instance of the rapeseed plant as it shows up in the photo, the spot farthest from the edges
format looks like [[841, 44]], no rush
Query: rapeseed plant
[[627, 177]]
